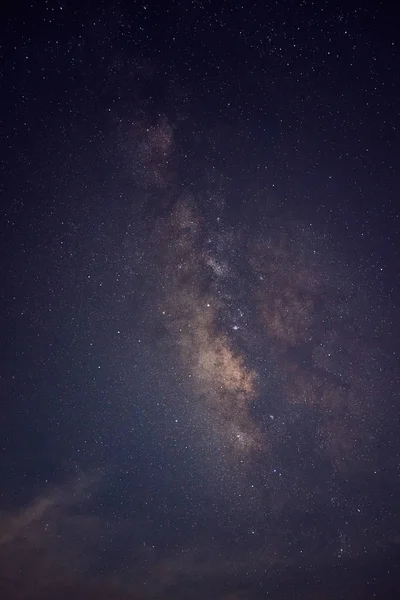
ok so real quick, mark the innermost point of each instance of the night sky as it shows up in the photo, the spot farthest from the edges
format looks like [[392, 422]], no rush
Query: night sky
[[200, 335]]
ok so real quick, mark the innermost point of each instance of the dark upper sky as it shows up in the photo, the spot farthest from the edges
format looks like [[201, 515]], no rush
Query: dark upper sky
[[199, 309]]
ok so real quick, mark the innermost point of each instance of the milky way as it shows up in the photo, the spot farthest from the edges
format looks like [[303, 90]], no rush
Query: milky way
[[266, 337]]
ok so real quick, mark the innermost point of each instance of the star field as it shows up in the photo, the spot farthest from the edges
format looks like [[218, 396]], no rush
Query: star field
[[200, 334]]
